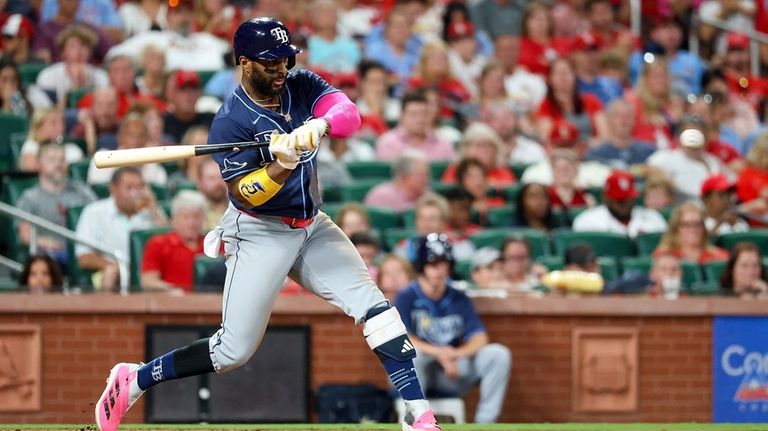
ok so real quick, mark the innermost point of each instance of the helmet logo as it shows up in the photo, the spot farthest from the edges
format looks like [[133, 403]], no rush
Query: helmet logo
[[280, 35]]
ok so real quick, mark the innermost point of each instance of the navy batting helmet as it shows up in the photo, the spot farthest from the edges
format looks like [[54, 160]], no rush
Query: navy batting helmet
[[264, 38], [432, 248]]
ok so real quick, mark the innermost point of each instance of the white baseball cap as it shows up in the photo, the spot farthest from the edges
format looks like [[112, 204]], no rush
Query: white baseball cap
[[484, 258]]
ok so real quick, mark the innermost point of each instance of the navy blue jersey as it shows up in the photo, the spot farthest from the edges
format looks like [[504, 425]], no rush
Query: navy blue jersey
[[450, 320], [240, 119]]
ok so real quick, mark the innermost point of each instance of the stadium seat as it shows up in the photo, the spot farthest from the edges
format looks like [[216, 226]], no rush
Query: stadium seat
[[647, 242], [518, 169], [393, 236], [137, 240], [501, 216], [409, 218], [437, 169], [101, 190], [641, 264], [666, 213], [15, 186], [202, 264], [463, 270], [552, 263], [603, 243], [184, 185], [441, 188], [79, 170], [331, 194], [10, 125], [713, 271], [205, 76], [692, 273], [28, 72], [74, 96], [759, 237], [357, 190], [373, 169], [78, 277], [383, 219], [597, 193], [16, 142], [566, 219], [511, 193], [537, 240], [332, 210]]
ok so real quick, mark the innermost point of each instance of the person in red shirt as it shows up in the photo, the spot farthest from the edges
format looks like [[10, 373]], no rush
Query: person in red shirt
[[564, 103], [687, 238], [538, 47], [434, 71], [483, 144], [752, 184], [169, 258], [605, 29], [472, 176]]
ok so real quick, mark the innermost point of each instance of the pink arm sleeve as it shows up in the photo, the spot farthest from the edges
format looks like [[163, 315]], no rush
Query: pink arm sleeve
[[340, 113]]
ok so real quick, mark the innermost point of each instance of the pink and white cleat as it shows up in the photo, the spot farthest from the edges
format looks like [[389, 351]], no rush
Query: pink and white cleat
[[116, 398], [425, 422]]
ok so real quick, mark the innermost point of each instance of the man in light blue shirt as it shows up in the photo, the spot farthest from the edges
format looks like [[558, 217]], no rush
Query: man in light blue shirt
[[98, 13]]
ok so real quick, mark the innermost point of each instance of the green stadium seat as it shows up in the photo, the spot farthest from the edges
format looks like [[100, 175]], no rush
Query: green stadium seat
[[437, 169], [641, 264], [441, 187], [373, 169], [80, 142], [202, 264], [78, 277], [162, 193], [383, 219], [552, 263], [28, 72], [14, 187], [101, 190], [713, 270], [79, 170], [16, 142], [184, 185], [692, 273], [409, 218], [666, 212], [597, 193], [759, 237], [205, 76], [332, 210], [74, 96], [331, 194], [566, 219], [609, 268], [393, 236], [463, 270], [518, 169], [137, 240], [501, 216], [647, 242], [603, 243], [537, 240], [10, 125], [356, 191], [511, 193]]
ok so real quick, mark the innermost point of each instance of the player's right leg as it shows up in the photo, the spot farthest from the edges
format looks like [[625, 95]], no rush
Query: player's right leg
[[259, 255], [492, 364]]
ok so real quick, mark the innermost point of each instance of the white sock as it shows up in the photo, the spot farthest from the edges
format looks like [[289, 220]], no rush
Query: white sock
[[416, 407], [134, 392]]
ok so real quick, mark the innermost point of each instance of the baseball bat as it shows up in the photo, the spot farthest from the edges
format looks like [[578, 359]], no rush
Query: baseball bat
[[168, 153]]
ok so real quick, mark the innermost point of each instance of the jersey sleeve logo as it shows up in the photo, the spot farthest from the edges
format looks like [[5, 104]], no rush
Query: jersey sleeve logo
[[280, 35], [233, 166], [248, 190]]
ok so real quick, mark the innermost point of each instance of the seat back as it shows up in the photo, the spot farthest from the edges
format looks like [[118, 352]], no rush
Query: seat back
[[647, 242], [602, 243], [373, 169], [759, 237], [137, 240]]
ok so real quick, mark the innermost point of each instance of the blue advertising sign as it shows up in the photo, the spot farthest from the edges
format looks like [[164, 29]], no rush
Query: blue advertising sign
[[740, 369]]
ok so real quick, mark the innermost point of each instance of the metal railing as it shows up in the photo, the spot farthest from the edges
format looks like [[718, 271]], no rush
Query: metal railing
[[755, 38], [41, 223]]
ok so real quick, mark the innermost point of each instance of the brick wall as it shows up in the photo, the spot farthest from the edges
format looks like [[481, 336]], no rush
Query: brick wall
[[79, 349]]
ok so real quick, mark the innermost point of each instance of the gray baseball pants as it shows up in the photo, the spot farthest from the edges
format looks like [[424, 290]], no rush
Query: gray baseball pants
[[260, 253]]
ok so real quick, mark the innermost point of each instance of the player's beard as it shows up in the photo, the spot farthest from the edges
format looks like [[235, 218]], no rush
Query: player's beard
[[263, 84]]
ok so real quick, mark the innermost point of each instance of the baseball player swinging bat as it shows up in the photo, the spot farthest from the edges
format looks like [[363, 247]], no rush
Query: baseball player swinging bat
[[168, 153], [273, 228]]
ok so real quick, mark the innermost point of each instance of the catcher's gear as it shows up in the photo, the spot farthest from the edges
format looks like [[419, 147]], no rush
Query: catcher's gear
[[264, 38], [386, 334]]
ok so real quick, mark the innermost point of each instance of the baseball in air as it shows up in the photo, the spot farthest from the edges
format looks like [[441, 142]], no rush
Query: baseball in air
[[692, 138]]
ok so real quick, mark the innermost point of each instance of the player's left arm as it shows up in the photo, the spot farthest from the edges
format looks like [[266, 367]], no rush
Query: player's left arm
[[340, 113]]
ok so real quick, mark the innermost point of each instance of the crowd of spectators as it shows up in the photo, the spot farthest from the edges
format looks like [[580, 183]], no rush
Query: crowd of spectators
[[478, 117]]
